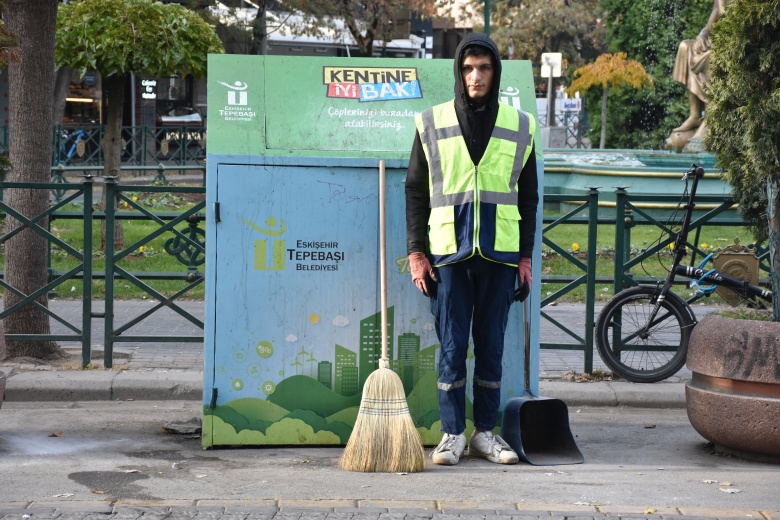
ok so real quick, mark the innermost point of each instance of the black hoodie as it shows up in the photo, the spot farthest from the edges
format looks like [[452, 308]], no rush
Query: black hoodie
[[476, 122]]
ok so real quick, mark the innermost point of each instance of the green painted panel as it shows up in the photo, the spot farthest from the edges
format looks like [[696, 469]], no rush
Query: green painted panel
[[338, 107]]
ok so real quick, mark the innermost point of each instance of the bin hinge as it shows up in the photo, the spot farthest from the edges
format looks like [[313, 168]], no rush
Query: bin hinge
[[216, 213], [213, 403]]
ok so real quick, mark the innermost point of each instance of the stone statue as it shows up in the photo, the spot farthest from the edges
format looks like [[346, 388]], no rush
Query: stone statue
[[692, 69]]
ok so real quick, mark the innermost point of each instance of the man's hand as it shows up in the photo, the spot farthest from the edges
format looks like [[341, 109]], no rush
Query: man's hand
[[524, 270], [421, 271]]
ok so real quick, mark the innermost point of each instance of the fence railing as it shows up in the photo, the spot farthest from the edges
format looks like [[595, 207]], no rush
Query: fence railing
[[141, 145], [186, 241]]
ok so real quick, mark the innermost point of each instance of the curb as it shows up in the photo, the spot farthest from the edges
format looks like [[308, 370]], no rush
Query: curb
[[109, 385], [423, 508], [78, 385], [616, 393]]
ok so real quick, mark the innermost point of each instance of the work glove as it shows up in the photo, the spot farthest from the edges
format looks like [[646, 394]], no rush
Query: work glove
[[421, 271], [524, 279]]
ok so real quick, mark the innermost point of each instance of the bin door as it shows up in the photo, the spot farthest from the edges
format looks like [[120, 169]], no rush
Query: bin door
[[297, 322]]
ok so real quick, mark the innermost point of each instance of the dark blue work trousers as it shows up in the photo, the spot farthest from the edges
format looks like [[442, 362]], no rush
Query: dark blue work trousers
[[472, 298]]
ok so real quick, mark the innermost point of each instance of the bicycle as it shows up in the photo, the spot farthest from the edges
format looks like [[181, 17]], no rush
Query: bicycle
[[642, 332], [65, 153]]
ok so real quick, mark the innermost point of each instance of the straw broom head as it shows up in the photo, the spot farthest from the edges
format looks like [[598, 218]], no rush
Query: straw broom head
[[384, 438]]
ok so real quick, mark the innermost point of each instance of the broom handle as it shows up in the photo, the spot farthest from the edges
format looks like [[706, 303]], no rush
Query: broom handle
[[382, 255], [526, 346]]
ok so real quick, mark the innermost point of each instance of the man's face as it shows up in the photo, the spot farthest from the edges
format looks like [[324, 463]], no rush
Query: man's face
[[477, 77]]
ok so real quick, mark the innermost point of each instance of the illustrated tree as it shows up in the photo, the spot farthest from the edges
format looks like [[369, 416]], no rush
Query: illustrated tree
[[743, 116], [117, 37], [610, 72], [30, 91]]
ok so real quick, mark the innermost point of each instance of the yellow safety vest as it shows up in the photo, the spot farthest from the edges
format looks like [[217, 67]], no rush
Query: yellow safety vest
[[474, 208]]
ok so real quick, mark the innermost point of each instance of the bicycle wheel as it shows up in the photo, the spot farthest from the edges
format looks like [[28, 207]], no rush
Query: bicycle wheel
[[639, 352]]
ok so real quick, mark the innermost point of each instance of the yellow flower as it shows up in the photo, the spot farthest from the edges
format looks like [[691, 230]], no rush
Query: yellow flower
[[703, 245], [575, 246], [142, 249], [126, 204], [135, 198]]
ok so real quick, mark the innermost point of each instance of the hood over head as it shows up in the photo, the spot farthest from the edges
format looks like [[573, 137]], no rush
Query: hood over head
[[482, 40]]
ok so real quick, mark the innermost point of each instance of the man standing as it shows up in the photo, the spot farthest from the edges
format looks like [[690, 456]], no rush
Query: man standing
[[471, 201]]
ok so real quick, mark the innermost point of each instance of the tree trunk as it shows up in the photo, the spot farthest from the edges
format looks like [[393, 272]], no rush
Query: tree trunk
[[259, 43], [603, 118], [61, 89], [773, 241], [114, 88], [31, 90]]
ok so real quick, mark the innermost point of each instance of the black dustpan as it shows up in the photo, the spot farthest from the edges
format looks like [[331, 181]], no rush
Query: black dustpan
[[536, 427]]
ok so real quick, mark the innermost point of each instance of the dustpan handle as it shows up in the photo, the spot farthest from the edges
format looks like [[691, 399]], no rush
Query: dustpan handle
[[382, 257], [526, 346]]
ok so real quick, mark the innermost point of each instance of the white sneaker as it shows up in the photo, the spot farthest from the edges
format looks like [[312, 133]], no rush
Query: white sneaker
[[449, 450], [492, 447]]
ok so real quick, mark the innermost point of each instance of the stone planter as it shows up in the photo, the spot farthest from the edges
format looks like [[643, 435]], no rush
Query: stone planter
[[733, 398]]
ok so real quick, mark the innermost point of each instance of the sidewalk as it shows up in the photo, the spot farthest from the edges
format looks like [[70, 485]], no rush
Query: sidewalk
[[175, 370], [87, 445]]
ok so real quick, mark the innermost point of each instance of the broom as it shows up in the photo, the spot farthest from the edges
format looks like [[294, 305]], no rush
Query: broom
[[384, 438]]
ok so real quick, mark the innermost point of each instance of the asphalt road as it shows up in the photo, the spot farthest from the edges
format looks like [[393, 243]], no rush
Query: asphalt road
[[635, 459]]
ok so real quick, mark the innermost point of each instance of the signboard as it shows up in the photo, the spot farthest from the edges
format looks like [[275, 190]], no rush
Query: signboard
[[572, 104], [551, 64], [358, 107]]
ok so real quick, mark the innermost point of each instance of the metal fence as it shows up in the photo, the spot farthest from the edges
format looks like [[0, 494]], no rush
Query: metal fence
[[76, 200], [77, 146], [186, 241]]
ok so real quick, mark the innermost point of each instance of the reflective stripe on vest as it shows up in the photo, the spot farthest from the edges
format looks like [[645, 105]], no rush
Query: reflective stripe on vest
[[452, 173]]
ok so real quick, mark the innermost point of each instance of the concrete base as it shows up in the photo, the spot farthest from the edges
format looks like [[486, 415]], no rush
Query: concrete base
[[733, 397], [553, 136]]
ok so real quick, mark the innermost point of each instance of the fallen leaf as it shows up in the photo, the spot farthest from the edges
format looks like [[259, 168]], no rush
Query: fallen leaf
[[650, 511], [730, 490], [709, 481], [725, 484], [649, 426], [64, 495], [131, 398], [98, 492], [56, 434]]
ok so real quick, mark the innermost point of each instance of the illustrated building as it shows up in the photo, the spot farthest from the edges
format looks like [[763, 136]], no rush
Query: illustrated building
[[408, 347], [325, 374], [346, 382], [424, 362], [371, 343]]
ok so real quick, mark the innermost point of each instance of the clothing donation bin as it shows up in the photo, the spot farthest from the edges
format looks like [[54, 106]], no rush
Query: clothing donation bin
[[293, 324]]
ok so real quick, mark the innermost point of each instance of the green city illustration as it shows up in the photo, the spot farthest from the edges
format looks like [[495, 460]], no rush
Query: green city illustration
[[319, 404]]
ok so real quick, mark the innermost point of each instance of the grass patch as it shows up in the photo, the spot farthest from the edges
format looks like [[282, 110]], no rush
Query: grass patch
[[573, 238], [149, 257]]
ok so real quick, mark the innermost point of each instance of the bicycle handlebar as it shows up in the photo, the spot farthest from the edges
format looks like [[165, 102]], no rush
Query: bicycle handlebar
[[714, 277]]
